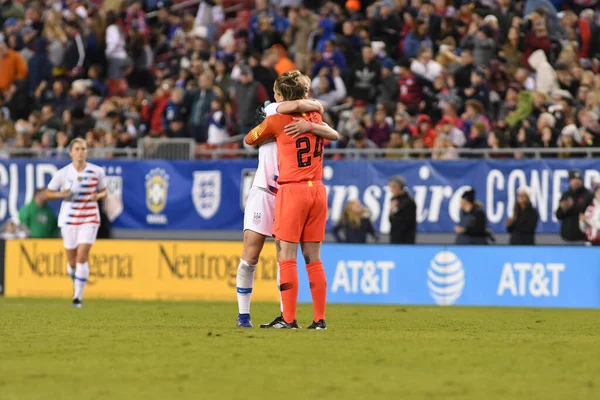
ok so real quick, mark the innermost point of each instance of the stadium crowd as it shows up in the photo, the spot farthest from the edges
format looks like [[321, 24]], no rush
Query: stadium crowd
[[440, 74]]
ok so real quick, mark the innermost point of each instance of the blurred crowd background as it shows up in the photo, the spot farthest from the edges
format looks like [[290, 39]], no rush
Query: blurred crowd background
[[440, 74]]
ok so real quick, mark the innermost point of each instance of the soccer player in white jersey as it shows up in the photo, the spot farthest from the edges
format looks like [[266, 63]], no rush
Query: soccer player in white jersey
[[80, 185], [260, 205]]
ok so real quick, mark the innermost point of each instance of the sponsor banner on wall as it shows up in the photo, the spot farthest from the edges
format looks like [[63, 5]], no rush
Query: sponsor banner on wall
[[1, 267], [206, 195], [537, 276], [130, 269]]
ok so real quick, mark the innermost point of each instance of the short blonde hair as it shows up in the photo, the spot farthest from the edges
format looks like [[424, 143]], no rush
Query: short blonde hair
[[77, 140]]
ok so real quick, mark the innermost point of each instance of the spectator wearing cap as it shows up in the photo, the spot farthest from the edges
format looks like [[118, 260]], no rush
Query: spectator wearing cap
[[573, 202], [523, 223], [410, 88], [388, 88], [403, 213], [13, 67], [248, 95], [472, 227], [385, 27], [365, 76], [424, 65], [589, 221]]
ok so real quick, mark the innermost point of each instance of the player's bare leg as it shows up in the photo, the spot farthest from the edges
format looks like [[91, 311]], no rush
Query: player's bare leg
[[288, 269], [71, 263], [318, 282], [253, 245], [82, 272]]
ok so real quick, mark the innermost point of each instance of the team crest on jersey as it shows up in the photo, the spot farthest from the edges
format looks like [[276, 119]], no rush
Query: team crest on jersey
[[206, 192], [256, 219], [157, 189], [79, 178], [247, 179]]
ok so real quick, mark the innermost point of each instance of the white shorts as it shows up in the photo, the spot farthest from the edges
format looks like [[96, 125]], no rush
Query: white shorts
[[260, 211], [73, 236]]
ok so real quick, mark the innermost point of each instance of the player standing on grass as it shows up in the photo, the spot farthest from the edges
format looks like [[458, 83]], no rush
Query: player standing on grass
[[80, 185], [300, 205], [260, 205]]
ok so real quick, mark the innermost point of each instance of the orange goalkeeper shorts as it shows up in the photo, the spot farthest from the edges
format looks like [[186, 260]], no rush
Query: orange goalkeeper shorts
[[301, 212]]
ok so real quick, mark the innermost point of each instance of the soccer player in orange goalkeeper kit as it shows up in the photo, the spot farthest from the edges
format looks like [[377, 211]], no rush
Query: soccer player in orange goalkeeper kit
[[301, 202]]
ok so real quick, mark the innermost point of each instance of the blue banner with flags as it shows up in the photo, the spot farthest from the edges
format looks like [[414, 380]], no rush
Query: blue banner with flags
[[154, 194], [540, 276]]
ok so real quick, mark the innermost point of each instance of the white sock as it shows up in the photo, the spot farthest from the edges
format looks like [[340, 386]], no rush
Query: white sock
[[81, 276], [244, 283], [278, 283]]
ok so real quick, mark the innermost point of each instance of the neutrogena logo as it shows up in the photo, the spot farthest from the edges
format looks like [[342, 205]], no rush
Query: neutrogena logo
[[445, 278]]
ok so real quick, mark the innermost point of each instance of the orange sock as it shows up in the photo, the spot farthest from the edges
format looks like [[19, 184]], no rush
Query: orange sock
[[289, 288], [318, 288]]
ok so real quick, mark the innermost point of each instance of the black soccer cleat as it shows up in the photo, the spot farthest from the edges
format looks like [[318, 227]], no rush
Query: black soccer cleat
[[77, 303], [271, 324], [320, 325], [285, 325]]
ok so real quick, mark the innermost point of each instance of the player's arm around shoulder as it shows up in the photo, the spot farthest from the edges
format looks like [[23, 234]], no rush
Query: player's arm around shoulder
[[299, 106], [262, 132], [301, 126]]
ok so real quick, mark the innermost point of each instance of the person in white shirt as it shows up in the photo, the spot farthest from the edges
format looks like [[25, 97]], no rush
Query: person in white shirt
[[80, 185], [425, 66], [260, 205], [115, 52]]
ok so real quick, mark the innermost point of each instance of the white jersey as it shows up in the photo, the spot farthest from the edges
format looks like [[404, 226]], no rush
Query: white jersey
[[268, 167], [77, 209]]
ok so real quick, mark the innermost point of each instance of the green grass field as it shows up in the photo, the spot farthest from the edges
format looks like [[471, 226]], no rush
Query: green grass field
[[192, 350]]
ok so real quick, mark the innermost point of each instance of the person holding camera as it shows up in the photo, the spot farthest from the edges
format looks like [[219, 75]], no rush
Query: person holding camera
[[572, 203]]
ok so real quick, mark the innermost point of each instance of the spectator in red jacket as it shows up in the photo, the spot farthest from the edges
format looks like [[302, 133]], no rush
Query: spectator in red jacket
[[411, 91]]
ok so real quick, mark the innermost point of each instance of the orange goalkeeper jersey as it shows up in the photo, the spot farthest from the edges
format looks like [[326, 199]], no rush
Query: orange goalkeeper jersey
[[300, 159]]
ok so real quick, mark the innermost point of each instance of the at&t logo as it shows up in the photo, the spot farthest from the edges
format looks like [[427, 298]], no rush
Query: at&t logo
[[445, 278]]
